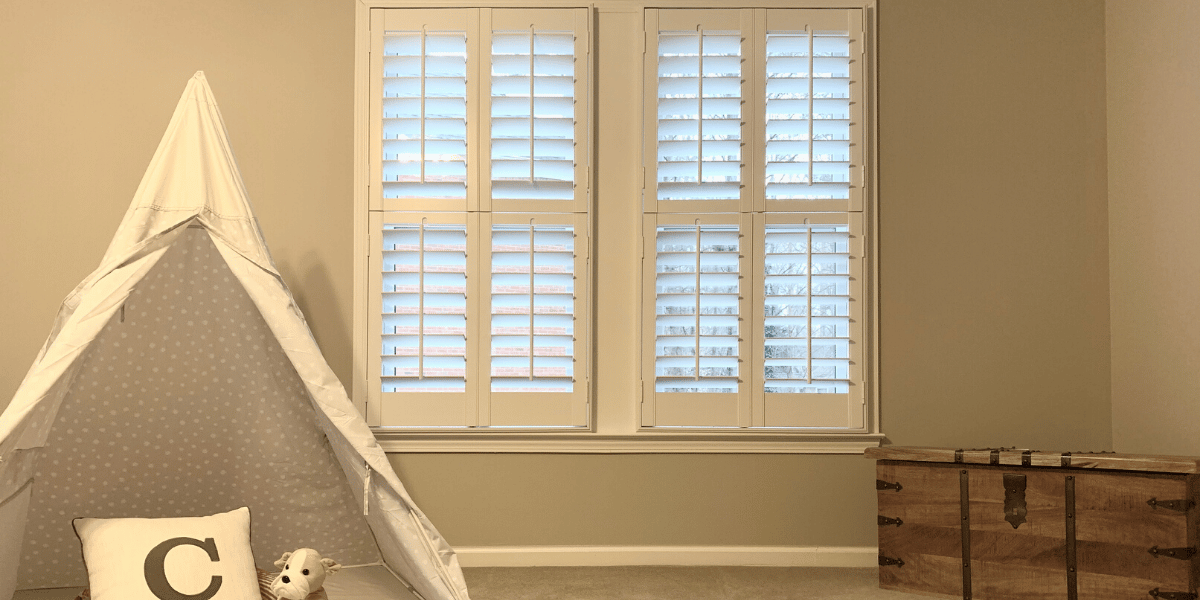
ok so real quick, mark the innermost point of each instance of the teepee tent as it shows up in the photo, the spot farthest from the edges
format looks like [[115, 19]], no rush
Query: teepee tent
[[180, 379]]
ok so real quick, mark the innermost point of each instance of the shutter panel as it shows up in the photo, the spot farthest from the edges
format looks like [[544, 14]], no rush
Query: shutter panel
[[810, 298], [422, 105], [811, 113], [422, 319], [538, 124], [697, 116], [698, 317], [535, 298]]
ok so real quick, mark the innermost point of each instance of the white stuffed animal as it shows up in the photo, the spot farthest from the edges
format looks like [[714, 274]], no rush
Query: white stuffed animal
[[303, 573]]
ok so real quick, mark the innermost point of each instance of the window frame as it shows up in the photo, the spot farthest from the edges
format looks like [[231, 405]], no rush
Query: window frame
[[480, 403], [744, 202], [614, 409]]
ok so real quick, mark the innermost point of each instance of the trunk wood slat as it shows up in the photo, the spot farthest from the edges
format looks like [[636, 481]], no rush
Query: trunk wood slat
[[1151, 463], [1115, 524]]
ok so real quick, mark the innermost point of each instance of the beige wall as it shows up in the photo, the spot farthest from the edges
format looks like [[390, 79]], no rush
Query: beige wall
[[994, 230], [994, 283], [1154, 226], [86, 90]]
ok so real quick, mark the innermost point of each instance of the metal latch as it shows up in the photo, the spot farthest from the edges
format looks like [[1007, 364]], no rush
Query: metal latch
[[889, 521], [1180, 553], [1179, 505], [884, 485], [1014, 499], [1172, 595], [885, 561]]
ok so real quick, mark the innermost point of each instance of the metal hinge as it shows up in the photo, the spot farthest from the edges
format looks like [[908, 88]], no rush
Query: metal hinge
[[890, 521], [1180, 553], [1179, 505], [884, 485], [885, 561], [1172, 595]]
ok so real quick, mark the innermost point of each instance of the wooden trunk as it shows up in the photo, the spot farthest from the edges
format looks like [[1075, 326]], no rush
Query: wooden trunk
[[1009, 524]]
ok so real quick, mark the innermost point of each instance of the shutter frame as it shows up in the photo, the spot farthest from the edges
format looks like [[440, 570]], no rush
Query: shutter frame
[[849, 20], [680, 21], [548, 20], [834, 413], [474, 406], [414, 408], [838, 412], [412, 21], [518, 408], [695, 409]]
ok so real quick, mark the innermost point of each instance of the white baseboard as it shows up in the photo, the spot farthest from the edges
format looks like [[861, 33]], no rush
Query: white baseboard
[[609, 556]]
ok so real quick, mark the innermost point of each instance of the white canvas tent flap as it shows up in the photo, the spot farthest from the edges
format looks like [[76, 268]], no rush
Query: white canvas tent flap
[[192, 208]]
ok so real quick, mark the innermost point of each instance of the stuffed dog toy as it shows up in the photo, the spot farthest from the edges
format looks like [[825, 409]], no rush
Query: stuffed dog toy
[[303, 573]]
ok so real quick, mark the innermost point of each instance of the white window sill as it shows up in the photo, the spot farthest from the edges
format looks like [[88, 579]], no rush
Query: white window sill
[[638, 443]]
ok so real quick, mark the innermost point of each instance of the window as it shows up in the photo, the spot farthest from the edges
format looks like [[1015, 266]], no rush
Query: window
[[655, 239], [753, 257], [479, 217]]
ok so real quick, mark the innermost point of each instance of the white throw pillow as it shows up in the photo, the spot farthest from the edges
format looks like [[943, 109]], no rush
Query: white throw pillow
[[182, 558]]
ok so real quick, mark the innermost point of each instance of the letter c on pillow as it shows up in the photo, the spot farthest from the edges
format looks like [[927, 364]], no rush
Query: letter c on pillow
[[156, 573]]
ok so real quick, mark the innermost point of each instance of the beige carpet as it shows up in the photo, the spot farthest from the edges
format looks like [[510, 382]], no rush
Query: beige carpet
[[649, 583], [676, 583]]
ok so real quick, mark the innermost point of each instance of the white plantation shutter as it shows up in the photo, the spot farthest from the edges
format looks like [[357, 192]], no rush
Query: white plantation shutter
[[536, 296], [753, 110], [533, 119], [424, 293], [808, 125], [695, 68], [811, 300], [479, 217], [813, 111], [756, 322], [533, 115], [778, 344], [422, 120], [697, 268], [538, 115]]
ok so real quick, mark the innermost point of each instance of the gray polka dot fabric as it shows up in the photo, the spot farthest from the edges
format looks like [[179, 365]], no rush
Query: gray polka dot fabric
[[187, 406]]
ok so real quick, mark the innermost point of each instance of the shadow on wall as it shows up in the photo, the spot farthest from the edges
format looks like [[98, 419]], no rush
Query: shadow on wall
[[312, 286]]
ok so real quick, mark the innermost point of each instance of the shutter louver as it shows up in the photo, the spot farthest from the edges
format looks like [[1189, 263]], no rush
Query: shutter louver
[[424, 308], [533, 115], [699, 115], [424, 114], [808, 115], [806, 326], [697, 309], [533, 308]]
